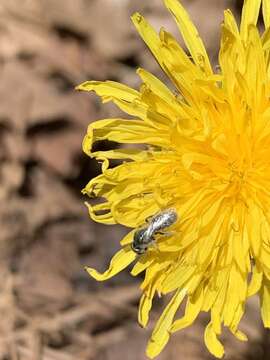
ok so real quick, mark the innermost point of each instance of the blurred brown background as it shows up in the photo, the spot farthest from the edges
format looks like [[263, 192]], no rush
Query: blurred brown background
[[49, 308]]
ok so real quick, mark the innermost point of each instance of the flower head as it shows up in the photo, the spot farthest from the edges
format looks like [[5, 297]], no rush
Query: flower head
[[207, 155]]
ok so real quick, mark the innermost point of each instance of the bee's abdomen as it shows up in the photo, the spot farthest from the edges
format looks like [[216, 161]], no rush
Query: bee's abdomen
[[164, 219]]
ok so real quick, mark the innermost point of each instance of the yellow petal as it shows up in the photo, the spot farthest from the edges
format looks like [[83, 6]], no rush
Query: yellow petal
[[178, 277], [120, 154], [158, 88], [230, 22], [213, 344], [235, 323], [265, 260], [168, 53], [105, 217], [266, 42], [128, 238], [265, 302], [146, 305], [266, 13], [193, 309], [126, 98], [123, 131], [190, 35], [253, 223], [155, 272], [120, 261], [239, 335], [256, 280], [250, 14], [181, 70], [143, 262], [236, 293], [255, 67], [109, 90], [216, 320], [161, 335]]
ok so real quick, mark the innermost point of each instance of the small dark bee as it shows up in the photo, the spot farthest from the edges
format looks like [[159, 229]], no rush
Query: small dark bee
[[144, 236]]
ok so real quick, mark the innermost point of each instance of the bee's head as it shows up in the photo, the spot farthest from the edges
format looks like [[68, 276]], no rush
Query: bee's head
[[140, 243]]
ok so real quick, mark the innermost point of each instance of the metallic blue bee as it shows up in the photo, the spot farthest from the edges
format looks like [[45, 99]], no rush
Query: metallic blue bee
[[145, 235]]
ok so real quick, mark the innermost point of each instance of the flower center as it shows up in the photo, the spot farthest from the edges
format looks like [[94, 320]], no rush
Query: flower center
[[238, 172]]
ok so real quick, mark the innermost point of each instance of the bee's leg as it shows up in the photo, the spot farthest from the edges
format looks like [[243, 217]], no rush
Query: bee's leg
[[165, 233], [148, 219]]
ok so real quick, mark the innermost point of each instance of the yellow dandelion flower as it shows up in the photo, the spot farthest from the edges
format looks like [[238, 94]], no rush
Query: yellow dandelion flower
[[206, 155]]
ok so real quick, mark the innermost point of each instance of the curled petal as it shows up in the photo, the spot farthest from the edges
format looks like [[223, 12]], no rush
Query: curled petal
[[109, 90], [105, 217], [119, 262]]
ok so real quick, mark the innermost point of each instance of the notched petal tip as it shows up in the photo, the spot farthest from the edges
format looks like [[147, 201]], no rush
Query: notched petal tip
[[85, 86], [95, 274], [136, 18], [153, 349], [240, 335], [139, 70]]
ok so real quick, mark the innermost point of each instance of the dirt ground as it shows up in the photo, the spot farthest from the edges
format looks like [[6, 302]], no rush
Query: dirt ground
[[49, 307]]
